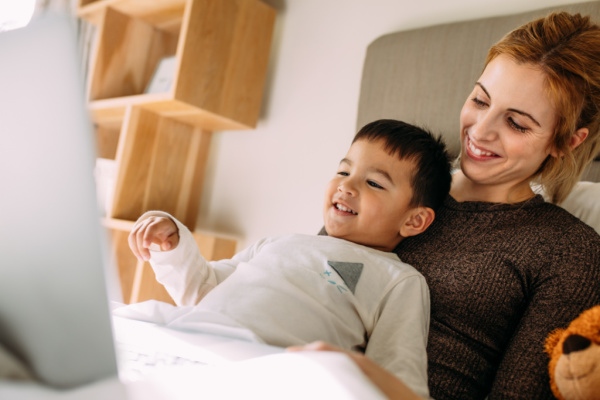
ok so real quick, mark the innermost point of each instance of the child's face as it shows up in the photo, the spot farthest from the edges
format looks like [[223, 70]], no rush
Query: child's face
[[367, 202]]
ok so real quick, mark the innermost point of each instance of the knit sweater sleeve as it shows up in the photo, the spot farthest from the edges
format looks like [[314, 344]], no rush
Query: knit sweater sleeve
[[563, 289]]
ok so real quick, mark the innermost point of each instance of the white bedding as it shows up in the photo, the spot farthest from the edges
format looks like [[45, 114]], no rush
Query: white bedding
[[306, 375], [260, 371]]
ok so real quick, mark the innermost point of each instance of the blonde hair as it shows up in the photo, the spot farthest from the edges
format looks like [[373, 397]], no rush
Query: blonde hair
[[566, 48]]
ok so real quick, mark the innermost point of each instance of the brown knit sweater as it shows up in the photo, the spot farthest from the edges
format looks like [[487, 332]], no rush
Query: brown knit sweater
[[501, 276]]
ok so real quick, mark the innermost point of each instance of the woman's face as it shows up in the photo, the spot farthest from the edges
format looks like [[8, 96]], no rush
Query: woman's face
[[507, 124]]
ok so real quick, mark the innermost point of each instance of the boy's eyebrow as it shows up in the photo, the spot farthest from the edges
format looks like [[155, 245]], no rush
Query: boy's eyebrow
[[382, 172], [523, 113], [385, 174]]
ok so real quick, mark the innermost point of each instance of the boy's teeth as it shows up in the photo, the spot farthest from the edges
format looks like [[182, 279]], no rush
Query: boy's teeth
[[342, 208]]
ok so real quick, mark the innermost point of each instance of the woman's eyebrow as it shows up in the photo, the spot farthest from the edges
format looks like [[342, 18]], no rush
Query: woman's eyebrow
[[523, 113], [483, 88]]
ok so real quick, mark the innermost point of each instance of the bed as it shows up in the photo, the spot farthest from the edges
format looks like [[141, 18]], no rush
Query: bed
[[422, 76]]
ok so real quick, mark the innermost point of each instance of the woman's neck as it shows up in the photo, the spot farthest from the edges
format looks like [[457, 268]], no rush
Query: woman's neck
[[464, 189]]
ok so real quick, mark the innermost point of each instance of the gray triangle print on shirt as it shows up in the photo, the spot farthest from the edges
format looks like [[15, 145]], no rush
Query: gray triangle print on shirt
[[350, 272]]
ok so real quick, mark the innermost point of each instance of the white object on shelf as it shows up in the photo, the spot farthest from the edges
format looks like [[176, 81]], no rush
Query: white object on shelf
[[162, 81], [105, 174]]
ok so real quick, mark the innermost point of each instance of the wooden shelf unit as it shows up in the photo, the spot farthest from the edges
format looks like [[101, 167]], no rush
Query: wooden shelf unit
[[160, 141]]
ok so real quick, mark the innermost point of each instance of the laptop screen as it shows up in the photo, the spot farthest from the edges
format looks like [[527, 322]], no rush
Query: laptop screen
[[53, 304]]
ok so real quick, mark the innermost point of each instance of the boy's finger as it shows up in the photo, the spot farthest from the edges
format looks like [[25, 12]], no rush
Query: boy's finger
[[133, 242], [141, 234]]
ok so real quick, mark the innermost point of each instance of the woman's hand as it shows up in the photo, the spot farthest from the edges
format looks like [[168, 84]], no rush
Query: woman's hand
[[388, 383], [161, 231]]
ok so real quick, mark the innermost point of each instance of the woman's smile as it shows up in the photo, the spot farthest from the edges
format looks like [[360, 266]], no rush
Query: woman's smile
[[478, 152]]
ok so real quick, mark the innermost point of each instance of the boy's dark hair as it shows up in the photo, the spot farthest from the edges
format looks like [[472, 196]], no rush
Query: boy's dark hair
[[431, 176]]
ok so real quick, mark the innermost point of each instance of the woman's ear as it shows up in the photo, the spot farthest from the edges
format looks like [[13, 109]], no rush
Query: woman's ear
[[419, 220], [578, 137]]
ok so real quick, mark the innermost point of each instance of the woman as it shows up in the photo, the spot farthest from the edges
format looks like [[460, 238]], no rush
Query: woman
[[505, 268]]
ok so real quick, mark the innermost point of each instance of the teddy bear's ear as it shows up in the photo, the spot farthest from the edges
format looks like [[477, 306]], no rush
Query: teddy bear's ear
[[552, 340]]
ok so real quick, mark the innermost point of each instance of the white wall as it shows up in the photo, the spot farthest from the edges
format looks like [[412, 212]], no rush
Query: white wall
[[271, 180]]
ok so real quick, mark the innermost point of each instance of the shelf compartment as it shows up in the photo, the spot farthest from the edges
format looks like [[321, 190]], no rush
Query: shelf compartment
[[222, 46], [107, 140], [127, 55], [160, 166]]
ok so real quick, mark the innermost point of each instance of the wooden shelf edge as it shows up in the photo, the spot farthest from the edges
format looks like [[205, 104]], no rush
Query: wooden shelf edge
[[126, 225], [121, 102], [111, 111], [156, 12], [117, 224]]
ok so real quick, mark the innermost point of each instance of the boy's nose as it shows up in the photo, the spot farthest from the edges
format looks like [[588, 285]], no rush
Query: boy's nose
[[347, 188]]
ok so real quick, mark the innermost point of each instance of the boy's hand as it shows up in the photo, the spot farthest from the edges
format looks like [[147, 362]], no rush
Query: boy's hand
[[153, 230]]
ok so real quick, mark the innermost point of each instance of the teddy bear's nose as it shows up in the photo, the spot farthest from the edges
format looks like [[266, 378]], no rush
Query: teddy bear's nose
[[575, 343]]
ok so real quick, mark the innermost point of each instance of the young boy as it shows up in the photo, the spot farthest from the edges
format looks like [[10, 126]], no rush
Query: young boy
[[346, 288]]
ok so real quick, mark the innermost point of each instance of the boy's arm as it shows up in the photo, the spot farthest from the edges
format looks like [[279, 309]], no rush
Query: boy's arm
[[185, 274], [398, 342]]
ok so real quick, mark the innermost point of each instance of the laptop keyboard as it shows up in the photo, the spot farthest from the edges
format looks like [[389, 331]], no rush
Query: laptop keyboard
[[135, 362]]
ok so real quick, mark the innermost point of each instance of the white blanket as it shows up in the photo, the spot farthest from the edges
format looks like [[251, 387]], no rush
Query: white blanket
[[281, 375]]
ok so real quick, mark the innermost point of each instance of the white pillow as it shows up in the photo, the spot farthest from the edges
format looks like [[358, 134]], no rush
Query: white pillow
[[584, 203]]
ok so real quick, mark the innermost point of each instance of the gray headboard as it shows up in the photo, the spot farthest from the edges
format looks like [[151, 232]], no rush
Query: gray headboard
[[424, 76]]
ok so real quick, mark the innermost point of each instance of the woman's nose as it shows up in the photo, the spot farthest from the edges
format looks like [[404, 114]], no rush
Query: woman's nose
[[485, 128]]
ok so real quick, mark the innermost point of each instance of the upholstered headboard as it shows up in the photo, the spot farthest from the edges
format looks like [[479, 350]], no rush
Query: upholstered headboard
[[424, 76]]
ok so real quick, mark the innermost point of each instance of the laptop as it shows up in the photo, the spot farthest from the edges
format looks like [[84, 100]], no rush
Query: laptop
[[53, 298], [54, 308]]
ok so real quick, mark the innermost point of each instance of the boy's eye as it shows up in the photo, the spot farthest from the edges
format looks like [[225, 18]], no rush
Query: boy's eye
[[374, 184], [342, 173]]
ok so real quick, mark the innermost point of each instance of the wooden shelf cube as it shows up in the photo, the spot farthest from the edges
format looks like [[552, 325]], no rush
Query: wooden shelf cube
[[221, 50], [161, 165]]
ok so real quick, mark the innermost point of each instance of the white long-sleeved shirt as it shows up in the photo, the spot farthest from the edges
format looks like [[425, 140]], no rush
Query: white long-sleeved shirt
[[295, 289]]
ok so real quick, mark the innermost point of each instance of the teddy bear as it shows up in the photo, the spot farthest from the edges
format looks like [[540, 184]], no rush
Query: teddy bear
[[575, 358]]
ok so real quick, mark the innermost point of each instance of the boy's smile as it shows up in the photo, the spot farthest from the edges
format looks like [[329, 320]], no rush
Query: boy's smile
[[368, 200], [344, 210]]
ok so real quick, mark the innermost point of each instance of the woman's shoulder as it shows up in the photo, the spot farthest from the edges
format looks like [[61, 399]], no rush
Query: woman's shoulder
[[562, 219], [569, 227]]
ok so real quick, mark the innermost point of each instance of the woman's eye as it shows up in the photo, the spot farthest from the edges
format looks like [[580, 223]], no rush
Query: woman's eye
[[374, 184], [516, 126], [478, 102], [342, 173]]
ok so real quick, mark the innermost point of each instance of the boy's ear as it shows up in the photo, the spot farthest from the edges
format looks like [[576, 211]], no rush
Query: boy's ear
[[418, 221]]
